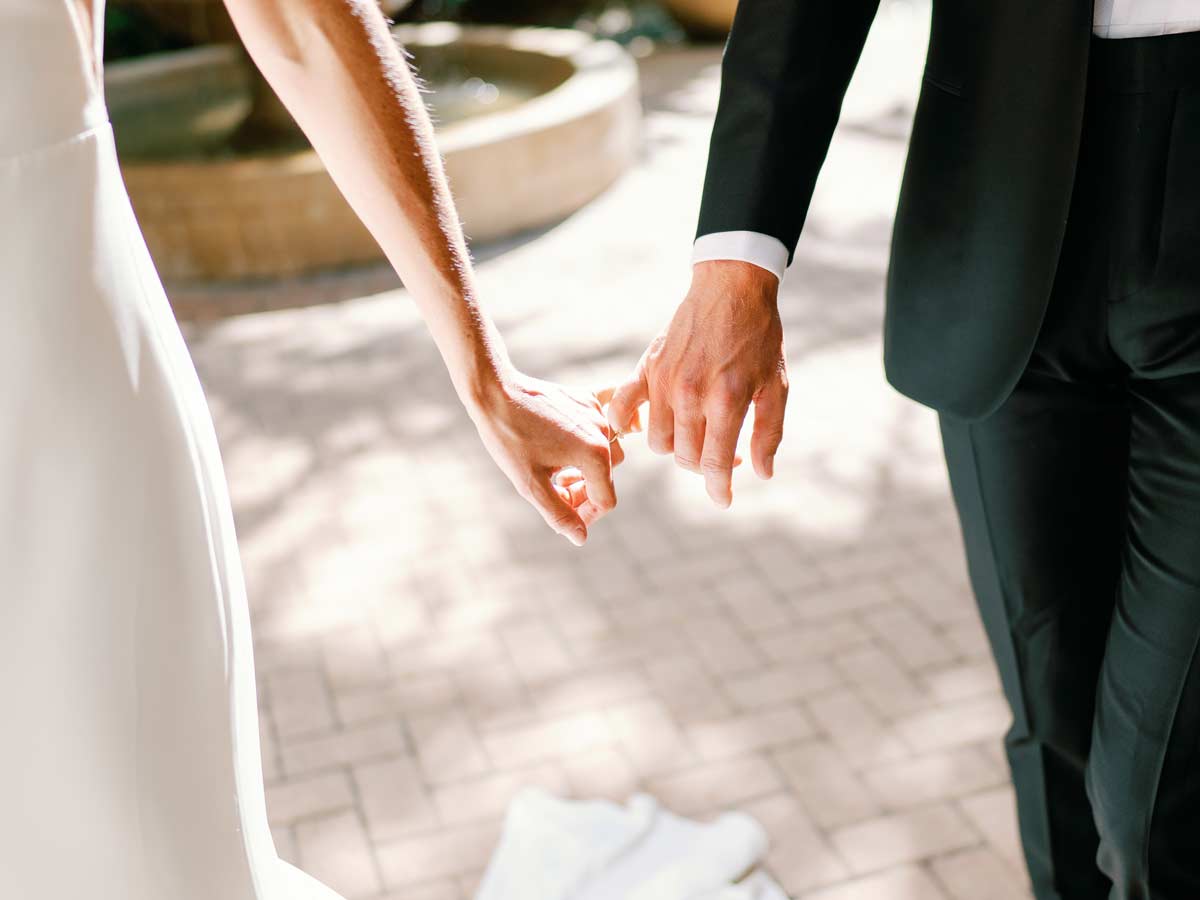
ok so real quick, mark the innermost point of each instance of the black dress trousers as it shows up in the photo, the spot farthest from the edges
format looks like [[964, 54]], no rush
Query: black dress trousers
[[1080, 504]]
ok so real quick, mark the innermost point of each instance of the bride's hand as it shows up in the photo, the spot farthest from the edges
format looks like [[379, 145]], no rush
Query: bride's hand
[[556, 447]]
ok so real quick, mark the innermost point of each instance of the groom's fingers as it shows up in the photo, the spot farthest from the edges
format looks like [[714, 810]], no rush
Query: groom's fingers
[[769, 408], [688, 437], [635, 424], [556, 510], [618, 453], [623, 403], [720, 450], [660, 436]]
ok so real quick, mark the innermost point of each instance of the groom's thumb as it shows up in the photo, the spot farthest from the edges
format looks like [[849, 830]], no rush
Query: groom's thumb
[[623, 408]]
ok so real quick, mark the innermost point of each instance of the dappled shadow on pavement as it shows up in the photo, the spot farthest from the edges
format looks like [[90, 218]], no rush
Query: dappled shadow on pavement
[[425, 645]]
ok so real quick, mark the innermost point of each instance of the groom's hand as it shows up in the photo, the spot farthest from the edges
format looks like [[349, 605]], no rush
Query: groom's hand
[[722, 351]]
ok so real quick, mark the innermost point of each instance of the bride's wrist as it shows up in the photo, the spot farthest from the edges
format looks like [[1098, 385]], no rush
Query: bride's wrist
[[486, 385]]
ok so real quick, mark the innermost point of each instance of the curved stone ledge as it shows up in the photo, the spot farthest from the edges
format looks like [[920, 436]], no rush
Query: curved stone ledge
[[511, 170]]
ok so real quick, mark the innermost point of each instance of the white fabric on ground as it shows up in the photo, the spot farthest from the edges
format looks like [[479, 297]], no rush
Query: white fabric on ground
[[554, 849]]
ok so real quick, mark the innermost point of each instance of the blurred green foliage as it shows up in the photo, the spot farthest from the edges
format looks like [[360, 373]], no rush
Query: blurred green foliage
[[128, 32], [621, 20], [543, 12]]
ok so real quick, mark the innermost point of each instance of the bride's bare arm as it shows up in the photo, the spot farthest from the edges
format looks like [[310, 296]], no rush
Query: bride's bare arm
[[336, 67]]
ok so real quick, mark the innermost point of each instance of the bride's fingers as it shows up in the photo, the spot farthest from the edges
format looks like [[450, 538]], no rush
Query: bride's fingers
[[553, 502], [569, 485], [596, 463], [589, 513], [617, 453], [577, 493]]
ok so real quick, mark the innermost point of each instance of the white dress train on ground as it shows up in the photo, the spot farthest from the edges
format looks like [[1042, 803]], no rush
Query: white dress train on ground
[[129, 763]]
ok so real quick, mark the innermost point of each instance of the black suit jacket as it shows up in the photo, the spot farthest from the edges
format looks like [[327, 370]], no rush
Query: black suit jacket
[[986, 188]]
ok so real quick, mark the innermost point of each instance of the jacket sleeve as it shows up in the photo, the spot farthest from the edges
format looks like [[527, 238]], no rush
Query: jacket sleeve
[[783, 76]]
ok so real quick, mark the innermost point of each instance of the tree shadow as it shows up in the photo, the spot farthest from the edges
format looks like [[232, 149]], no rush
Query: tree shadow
[[385, 552]]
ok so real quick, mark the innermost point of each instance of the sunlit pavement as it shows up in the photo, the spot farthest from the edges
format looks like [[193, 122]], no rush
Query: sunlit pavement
[[426, 646]]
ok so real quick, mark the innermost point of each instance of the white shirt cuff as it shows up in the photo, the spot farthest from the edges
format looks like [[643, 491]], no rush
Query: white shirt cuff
[[758, 249]]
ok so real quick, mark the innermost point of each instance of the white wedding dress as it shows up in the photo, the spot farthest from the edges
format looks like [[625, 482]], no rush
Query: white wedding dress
[[129, 753]]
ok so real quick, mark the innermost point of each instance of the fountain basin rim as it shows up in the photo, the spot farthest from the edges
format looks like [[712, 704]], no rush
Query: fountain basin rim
[[277, 213], [601, 72]]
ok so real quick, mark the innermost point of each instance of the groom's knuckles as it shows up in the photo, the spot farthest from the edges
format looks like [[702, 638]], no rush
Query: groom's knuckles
[[687, 396], [731, 390], [726, 409]]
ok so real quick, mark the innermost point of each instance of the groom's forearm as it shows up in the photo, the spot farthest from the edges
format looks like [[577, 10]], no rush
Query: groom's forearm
[[337, 68], [784, 74]]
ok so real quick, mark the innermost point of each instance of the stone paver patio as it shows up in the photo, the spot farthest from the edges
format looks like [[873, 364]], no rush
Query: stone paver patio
[[426, 646]]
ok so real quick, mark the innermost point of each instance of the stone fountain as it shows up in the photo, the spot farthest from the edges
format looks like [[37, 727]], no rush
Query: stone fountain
[[532, 123]]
